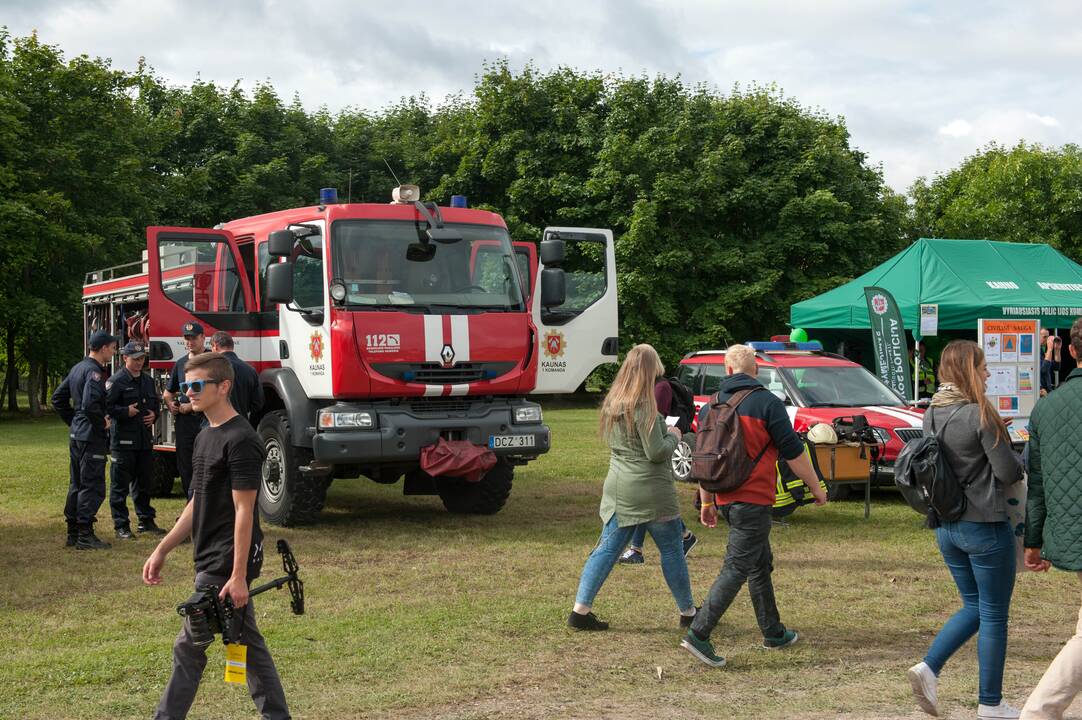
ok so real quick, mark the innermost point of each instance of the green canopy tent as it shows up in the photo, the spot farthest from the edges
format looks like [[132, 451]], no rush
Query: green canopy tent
[[968, 279]]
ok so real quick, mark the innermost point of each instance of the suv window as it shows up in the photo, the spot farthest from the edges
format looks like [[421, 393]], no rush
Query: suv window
[[713, 375], [690, 375]]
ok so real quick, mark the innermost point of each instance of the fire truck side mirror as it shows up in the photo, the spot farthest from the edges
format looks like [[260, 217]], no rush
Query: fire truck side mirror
[[280, 283], [280, 243], [445, 236], [553, 287], [553, 252]]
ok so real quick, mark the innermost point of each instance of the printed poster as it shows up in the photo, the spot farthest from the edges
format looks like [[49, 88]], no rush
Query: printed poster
[[1008, 351], [1025, 347], [1008, 406], [1025, 381], [1003, 380], [929, 320], [991, 347]]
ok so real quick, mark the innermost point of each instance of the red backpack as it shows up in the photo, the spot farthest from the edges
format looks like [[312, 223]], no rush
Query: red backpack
[[720, 462]]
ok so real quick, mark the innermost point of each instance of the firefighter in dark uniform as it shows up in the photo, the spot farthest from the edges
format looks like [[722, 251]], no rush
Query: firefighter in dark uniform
[[132, 401], [187, 423], [80, 402], [247, 393]]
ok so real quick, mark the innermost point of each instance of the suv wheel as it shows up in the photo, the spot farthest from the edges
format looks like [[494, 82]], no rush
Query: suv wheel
[[681, 457]]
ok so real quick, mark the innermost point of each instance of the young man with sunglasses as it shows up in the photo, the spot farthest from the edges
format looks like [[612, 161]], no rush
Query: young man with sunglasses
[[223, 521]]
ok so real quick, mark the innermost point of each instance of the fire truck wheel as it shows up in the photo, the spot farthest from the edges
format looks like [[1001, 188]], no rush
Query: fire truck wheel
[[164, 473], [484, 497], [288, 495]]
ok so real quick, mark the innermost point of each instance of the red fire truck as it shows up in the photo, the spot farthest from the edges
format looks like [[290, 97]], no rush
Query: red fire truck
[[377, 330]]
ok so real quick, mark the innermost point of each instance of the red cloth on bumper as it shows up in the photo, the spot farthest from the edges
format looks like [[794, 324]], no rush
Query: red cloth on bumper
[[457, 458]]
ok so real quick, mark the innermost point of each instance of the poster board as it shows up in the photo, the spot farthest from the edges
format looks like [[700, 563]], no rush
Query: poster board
[[1013, 355]]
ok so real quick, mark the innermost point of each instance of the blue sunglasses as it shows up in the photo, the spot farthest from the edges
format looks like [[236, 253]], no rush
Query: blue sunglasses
[[196, 385]]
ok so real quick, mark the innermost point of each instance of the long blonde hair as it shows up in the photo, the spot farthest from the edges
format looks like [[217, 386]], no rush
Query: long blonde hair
[[960, 365], [632, 391]]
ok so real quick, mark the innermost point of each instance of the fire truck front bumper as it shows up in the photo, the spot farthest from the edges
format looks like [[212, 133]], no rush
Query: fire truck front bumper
[[396, 432]]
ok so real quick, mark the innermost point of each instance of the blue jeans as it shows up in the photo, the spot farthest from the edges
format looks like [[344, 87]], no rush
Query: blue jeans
[[638, 538], [981, 558], [668, 536]]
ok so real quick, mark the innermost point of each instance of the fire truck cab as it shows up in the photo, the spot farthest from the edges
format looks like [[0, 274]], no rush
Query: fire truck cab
[[377, 330]]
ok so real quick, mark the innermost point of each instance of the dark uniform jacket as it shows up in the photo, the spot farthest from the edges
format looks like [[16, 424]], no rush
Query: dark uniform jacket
[[129, 431], [80, 401], [185, 423], [247, 393]]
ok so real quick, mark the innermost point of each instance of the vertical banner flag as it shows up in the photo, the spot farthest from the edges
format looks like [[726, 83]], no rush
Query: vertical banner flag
[[888, 339]]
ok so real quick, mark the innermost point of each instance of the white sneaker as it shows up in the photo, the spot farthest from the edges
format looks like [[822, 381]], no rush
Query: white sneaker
[[997, 712], [925, 685]]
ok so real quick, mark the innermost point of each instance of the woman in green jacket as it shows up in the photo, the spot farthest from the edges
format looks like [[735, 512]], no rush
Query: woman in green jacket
[[639, 489]]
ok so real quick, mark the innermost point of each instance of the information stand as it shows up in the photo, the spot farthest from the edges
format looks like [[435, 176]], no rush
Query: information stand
[[1012, 353]]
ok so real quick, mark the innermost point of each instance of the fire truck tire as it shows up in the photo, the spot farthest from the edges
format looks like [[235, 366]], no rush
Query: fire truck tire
[[484, 497], [288, 496], [163, 474]]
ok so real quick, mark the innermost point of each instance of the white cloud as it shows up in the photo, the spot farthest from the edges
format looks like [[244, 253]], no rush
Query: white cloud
[[956, 128], [1046, 120], [920, 85]]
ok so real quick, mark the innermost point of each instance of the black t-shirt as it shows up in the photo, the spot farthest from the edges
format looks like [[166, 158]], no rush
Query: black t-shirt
[[226, 458]]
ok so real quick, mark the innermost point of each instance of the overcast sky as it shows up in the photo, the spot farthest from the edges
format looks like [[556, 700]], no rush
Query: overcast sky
[[920, 84]]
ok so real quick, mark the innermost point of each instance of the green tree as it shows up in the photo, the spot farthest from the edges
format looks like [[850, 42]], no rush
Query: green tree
[[730, 209], [73, 176], [1024, 193]]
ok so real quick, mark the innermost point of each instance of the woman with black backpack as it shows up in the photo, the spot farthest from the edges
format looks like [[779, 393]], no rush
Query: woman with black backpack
[[978, 546]]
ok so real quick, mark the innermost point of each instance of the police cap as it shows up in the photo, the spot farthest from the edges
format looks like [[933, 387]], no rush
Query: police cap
[[191, 329], [99, 339], [134, 350]]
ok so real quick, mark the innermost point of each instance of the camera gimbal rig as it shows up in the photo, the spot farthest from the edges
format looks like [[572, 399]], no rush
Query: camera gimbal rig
[[208, 615]]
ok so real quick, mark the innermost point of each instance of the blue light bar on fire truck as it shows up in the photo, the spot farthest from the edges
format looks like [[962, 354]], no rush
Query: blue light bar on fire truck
[[760, 346]]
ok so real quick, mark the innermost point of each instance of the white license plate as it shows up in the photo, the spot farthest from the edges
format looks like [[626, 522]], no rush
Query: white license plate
[[510, 441]]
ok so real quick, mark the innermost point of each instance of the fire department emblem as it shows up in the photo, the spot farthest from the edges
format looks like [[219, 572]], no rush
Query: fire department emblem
[[447, 355], [189, 327], [879, 304], [554, 344], [315, 346]]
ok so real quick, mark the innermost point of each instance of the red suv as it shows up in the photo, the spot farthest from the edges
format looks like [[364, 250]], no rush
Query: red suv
[[816, 387]]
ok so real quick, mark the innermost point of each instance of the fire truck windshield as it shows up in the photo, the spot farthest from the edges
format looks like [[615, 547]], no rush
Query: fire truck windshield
[[372, 259]]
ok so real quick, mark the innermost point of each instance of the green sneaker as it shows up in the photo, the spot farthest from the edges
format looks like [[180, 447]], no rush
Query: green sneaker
[[786, 639], [702, 649]]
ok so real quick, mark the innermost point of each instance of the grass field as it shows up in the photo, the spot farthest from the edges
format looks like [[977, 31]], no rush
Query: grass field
[[415, 613]]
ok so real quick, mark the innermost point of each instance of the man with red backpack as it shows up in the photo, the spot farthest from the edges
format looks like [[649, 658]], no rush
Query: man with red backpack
[[767, 436]]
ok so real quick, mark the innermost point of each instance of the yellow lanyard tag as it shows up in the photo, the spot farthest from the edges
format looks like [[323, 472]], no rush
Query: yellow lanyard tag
[[236, 663]]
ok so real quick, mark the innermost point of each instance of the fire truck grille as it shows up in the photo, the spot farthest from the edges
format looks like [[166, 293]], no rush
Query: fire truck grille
[[439, 405], [436, 374], [907, 434]]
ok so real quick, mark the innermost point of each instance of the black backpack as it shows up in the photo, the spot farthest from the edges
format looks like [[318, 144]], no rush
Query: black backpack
[[926, 479], [683, 404]]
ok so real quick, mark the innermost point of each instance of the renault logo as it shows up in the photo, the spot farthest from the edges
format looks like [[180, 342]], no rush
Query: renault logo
[[447, 355]]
